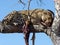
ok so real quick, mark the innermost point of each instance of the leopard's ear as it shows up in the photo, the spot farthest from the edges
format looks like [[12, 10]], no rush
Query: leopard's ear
[[52, 13]]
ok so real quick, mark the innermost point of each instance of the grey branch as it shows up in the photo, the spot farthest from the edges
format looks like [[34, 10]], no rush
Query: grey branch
[[29, 1], [21, 2]]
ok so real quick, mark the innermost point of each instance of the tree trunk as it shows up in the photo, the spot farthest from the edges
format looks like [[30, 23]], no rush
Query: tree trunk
[[56, 24]]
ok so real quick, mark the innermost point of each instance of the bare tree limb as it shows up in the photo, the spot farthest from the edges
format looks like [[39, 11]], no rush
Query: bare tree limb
[[42, 2], [21, 2], [29, 1], [33, 11]]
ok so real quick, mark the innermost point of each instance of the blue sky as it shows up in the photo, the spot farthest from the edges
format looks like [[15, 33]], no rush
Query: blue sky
[[7, 6]]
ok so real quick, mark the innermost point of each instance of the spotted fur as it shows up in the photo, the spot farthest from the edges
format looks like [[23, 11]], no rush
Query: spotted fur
[[37, 16]]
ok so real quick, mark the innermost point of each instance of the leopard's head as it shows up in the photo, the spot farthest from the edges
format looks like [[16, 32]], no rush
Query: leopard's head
[[47, 18]]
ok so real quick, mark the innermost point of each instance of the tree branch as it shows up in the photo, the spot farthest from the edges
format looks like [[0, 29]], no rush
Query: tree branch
[[21, 2]]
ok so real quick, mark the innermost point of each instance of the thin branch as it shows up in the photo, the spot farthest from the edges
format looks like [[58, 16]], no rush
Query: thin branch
[[42, 2], [29, 1], [33, 11], [21, 2], [39, 2]]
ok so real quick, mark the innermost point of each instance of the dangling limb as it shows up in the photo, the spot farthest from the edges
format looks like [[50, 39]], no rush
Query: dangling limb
[[33, 38], [27, 38]]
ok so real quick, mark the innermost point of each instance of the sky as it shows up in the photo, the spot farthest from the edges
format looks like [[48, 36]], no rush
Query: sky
[[7, 6]]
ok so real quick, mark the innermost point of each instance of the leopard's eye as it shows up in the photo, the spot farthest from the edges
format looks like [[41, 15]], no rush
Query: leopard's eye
[[44, 18]]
